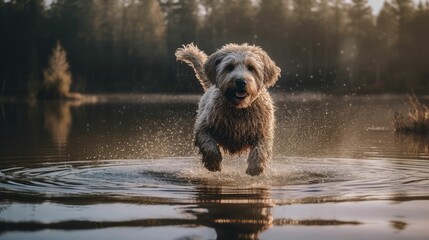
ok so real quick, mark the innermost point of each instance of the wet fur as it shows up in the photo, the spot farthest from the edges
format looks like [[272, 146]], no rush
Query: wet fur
[[225, 120]]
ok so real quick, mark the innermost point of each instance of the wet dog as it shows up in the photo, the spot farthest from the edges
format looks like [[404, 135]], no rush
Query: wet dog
[[236, 111]]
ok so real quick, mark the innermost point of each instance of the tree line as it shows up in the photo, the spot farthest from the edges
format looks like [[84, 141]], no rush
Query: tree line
[[129, 45]]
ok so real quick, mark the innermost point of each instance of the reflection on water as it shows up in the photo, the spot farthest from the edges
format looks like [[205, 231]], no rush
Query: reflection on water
[[232, 215], [398, 225], [137, 127], [126, 167], [58, 120], [419, 144]]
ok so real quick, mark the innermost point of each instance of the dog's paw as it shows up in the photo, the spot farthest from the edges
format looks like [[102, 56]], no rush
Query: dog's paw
[[254, 170], [213, 166], [213, 161]]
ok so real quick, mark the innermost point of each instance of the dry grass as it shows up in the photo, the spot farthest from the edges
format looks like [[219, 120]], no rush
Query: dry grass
[[417, 120]]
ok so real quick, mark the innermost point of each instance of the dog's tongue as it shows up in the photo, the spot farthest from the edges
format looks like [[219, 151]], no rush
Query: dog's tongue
[[240, 94]]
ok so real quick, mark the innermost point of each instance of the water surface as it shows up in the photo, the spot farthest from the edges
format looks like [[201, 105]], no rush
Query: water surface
[[125, 167]]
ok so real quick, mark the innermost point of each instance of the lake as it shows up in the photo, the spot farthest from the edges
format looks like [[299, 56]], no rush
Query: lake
[[125, 167]]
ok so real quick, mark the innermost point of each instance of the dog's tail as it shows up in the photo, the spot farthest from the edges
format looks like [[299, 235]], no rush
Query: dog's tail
[[195, 58]]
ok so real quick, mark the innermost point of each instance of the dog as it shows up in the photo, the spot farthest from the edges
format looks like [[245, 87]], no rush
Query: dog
[[236, 112]]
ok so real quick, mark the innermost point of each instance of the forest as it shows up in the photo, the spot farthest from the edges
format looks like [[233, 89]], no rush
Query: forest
[[333, 46]]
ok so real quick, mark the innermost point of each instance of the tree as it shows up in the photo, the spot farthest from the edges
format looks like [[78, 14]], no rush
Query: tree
[[361, 19], [239, 21], [404, 10], [57, 77], [273, 22], [141, 43], [412, 52], [123, 45], [213, 27], [182, 27], [182, 22], [271, 13], [327, 26], [402, 72], [22, 35], [387, 33], [387, 26], [304, 21], [361, 30], [2, 47]]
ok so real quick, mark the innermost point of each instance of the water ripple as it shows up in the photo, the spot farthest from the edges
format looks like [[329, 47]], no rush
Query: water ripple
[[289, 179]]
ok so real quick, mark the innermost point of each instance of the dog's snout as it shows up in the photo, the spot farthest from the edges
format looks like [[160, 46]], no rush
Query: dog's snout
[[240, 83]]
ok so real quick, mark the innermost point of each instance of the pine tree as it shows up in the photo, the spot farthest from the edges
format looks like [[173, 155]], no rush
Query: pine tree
[[404, 10], [239, 21], [57, 77], [304, 21], [361, 30], [360, 18], [403, 66], [182, 22], [387, 33], [271, 13], [387, 26]]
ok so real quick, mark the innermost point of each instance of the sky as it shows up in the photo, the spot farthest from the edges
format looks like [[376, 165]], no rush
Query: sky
[[378, 4]]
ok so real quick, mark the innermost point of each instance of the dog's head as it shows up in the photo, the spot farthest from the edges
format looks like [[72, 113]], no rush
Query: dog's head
[[241, 72]]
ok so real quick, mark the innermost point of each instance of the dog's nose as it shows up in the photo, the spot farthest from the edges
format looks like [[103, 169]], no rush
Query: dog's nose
[[240, 83]]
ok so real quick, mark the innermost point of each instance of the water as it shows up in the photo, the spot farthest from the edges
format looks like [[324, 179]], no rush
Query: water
[[125, 167]]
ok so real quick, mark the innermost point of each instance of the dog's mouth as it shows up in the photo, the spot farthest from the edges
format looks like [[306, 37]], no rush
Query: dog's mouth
[[240, 94], [237, 96]]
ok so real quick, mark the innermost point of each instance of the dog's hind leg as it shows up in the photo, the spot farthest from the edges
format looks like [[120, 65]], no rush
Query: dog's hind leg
[[211, 155]]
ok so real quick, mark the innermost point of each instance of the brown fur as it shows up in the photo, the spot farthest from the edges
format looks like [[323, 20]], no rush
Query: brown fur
[[233, 115]]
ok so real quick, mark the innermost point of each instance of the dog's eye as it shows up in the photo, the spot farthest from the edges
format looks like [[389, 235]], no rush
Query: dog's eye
[[250, 68], [229, 67]]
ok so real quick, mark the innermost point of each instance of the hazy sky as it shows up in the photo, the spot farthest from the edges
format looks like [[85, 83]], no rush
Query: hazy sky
[[377, 4]]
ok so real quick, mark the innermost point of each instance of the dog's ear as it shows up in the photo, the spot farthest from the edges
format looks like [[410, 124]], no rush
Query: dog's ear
[[271, 71], [211, 64]]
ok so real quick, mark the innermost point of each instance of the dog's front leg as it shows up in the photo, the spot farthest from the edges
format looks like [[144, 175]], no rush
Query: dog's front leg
[[258, 157], [211, 155]]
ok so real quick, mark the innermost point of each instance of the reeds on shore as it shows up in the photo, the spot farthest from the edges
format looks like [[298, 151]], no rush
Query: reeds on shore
[[417, 120]]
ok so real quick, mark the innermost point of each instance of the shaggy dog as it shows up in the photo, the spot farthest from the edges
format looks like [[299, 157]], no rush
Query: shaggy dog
[[236, 111]]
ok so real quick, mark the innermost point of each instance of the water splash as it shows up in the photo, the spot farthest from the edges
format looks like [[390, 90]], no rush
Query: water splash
[[288, 179]]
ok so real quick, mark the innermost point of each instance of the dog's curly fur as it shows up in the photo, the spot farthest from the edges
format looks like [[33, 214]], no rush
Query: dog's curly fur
[[236, 111]]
